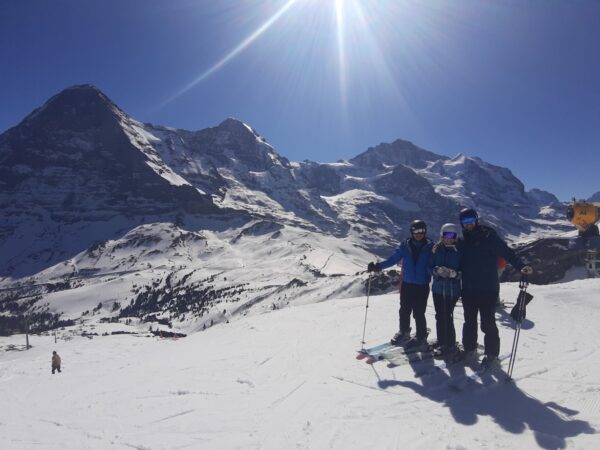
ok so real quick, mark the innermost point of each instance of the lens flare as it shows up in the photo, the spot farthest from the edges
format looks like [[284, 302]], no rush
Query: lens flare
[[341, 43], [233, 53]]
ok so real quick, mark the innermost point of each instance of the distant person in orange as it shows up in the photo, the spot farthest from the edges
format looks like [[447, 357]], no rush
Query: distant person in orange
[[55, 362]]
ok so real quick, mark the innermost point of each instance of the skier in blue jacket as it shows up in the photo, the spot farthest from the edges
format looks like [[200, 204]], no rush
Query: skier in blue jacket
[[414, 253], [445, 266]]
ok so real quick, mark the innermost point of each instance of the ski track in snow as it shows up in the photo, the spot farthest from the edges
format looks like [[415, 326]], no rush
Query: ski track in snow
[[282, 399], [289, 379], [183, 413]]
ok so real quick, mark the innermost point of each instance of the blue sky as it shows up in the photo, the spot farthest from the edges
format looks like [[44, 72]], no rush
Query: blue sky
[[516, 83]]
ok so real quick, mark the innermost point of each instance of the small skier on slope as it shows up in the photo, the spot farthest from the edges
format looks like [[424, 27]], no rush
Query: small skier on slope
[[55, 362], [415, 253]]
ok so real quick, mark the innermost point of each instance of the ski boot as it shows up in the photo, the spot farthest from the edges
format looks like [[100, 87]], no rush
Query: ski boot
[[445, 351], [468, 356], [489, 362], [436, 345], [416, 345], [400, 338]]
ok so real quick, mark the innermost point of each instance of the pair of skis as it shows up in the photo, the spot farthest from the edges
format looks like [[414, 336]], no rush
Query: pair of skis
[[391, 353], [397, 356]]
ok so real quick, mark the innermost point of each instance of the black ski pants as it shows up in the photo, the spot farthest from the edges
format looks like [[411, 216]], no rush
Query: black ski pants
[[444, 318], [484, 303], [413, 300]]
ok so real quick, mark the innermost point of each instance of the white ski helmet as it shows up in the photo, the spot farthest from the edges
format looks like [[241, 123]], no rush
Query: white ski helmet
[[449, 228]]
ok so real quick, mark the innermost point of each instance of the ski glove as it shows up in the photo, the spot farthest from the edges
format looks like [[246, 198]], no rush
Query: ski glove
[[445, 272], [527, 270], [519, 311], [374, 267], [441, 271]]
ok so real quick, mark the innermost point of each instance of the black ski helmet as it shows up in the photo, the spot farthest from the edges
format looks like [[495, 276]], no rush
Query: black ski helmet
[[418, 225], [468, 213]]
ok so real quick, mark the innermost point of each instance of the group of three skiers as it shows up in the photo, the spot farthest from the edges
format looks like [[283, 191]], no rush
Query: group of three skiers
[[465, 268]]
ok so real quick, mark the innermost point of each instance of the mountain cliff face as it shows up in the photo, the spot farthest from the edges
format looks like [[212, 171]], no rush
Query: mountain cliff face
[[87, 194], [76, 170], [80, 158]]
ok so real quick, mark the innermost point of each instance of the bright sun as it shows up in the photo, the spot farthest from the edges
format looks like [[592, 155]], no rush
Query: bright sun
[[358, 26]]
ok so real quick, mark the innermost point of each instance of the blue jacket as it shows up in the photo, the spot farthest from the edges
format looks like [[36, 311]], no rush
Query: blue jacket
[[447, 257], [413, 272], [480, 250]]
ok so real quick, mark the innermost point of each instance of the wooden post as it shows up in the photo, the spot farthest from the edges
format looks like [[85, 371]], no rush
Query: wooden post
[[592, 269], [27, 346]]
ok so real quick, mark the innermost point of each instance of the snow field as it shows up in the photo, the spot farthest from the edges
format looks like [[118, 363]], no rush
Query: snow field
[[288, 379]]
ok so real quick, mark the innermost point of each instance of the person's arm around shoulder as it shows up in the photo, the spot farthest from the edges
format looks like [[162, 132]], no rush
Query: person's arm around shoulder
[[432, 259], [429, 254]]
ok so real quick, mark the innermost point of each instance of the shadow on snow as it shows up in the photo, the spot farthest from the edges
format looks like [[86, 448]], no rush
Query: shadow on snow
[[511, 408]]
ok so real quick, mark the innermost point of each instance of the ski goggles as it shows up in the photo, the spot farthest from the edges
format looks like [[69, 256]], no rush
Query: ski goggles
[[467, 220], [449, 235], [419, 231]]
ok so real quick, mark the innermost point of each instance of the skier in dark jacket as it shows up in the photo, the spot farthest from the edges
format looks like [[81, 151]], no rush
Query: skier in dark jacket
[[415, 253], [445, 265], [480, 248]]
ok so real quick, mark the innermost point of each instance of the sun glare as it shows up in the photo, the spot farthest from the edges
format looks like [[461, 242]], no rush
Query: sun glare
[[236, 51], [341, 43], [369, 38]]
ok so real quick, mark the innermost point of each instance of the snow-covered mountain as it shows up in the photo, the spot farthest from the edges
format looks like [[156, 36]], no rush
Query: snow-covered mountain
[[162, 222], [372, 197]]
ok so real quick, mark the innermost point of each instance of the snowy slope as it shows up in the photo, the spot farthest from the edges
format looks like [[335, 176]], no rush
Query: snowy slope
[[289, 379], [196, 275]]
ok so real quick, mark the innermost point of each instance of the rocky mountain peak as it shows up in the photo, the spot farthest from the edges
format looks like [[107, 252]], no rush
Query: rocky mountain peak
[[239, 142], [543, 198], [397, 152], [76, 108], [237, 128], [80, 158]]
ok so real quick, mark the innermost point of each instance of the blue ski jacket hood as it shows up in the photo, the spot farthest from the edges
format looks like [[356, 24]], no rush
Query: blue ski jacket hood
[[415, 265]]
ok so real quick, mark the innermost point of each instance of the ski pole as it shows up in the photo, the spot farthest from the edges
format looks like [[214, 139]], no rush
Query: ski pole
[[362, 345], [513, 354], [444, 311], [452, 299]]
